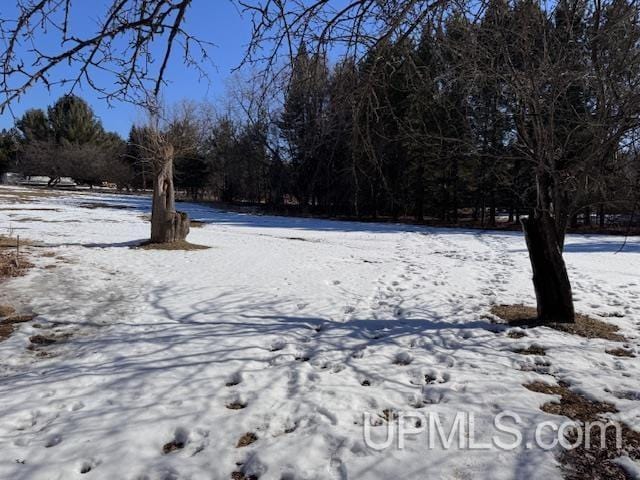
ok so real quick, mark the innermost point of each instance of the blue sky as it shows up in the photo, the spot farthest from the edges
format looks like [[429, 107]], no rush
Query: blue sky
[[217, 21]]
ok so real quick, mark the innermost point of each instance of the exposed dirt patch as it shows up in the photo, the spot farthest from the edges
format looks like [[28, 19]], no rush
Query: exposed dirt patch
[[172, 446], [242, 476], [42, 340], [531, 350], [180, 245], [621, 352], [6, 311], [594, 460], [584, 326], [6, 330], [27, 317], [247, 439], [516, 334]]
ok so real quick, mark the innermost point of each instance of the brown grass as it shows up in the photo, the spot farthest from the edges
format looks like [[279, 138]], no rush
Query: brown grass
[[11, 242], [15, 195], [242, 476], [532, 350], [172, 446], [595, 462], [8, 325], [621, 352], [516, 334], [247, 439], [6, 310], [10, 268], [180, 245], [572, 405], [584, 326], [6, 330], [42, 340]]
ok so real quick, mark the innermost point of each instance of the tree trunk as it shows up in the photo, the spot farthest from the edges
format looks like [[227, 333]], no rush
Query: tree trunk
[[550, 278], [167, 225]]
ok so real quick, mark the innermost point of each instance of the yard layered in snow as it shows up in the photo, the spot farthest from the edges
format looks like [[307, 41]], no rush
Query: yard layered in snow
[[307, 324]]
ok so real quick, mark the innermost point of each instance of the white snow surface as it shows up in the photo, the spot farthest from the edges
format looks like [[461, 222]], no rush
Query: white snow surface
[[289, 317]]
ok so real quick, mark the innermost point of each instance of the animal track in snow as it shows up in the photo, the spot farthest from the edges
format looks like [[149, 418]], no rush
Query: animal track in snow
[[234, 380]]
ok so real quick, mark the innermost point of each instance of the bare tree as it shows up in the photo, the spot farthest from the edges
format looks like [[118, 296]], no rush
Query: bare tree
[[165, 136], [43, 45]]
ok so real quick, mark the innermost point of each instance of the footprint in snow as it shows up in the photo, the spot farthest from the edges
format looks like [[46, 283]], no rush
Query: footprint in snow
[[279, 344], [180, 439], [358, 353], [88, 465], [433, 377], [53, 440], [403, 359], [234, 380]]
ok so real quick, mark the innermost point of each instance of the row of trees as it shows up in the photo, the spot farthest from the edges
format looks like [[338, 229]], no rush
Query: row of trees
[[66, 140], [469, 116]]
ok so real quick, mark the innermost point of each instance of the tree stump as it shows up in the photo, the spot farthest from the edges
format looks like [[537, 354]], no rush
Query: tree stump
[[167, 225], [550, 278]]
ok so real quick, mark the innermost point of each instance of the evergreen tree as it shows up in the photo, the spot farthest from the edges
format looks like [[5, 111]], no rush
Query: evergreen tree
[[72, 120]]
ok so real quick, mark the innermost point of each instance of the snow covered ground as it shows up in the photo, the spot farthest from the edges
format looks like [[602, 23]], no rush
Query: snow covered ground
[[308, 324]]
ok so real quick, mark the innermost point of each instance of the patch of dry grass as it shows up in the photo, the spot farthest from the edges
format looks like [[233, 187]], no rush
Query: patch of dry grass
[[572, 405], [532, 350], [180, 245], [242, 476], [621, 352], [584, 326], [6, 311], [8, 325], [13, 195], [247, 439], [596, 459], [10, 268]]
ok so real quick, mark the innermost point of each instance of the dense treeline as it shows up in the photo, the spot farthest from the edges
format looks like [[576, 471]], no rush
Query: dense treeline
[[458, 119], [473, 115]]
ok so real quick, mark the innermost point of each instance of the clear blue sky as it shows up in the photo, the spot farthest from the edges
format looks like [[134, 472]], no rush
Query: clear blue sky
[[217, 21]]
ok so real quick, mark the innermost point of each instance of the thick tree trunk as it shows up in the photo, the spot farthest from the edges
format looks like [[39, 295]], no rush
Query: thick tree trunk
[[550, 278], [601, 216], [167, 225]]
